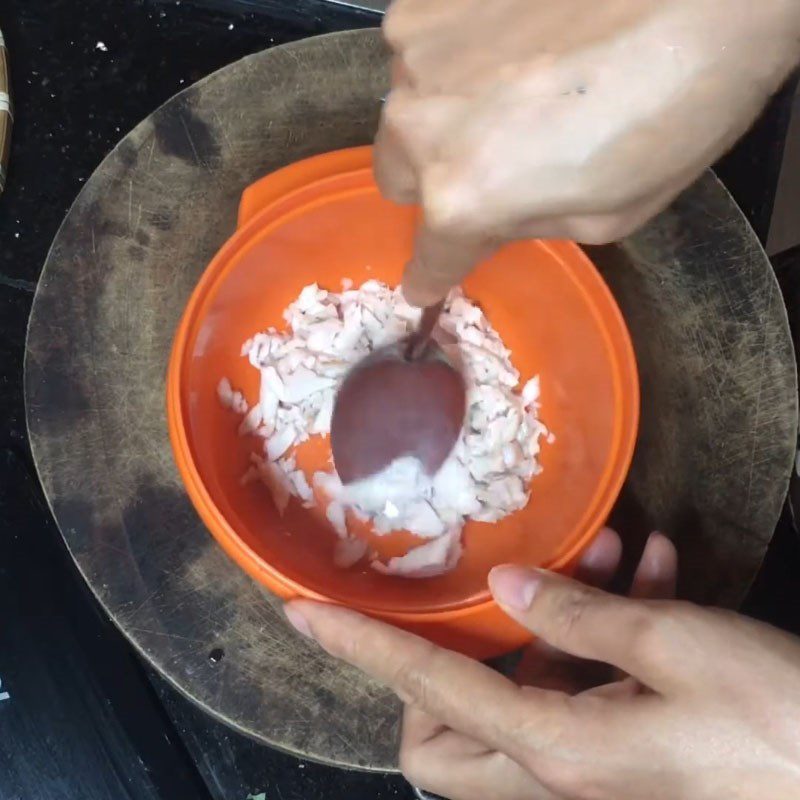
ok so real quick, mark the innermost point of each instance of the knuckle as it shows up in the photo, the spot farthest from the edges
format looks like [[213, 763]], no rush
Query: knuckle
[[441, 220], [396, 109], [349, 647], [394, 27], [563, 768], [450, 212], [570, 610], [647, 637], [412, 679], [395, 180], [555, 773], [392, 114], [403, 27], [550, 730], [555, 750], [414, 764], [399, 71], [394, 171], [654, 630], [568, 779]]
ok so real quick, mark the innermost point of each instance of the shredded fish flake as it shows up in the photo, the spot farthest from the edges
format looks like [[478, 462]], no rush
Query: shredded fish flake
[[485, 478]]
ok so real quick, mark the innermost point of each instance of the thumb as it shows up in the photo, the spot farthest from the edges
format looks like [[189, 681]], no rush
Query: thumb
[[439, 263], [632, 635]]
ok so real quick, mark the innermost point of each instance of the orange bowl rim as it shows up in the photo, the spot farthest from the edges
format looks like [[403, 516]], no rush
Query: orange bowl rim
[[626, 389]]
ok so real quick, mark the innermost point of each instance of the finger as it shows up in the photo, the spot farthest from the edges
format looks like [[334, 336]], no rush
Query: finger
[[624, 688], [400, 75], [599, 562], [456, 201], [411, 130], [392, 166], [413, 21], [547, 667], [464, 694], [604, 228], [460, 767], [419, 727], [420, 731], [657, 573], [439, 263], [583, 621]]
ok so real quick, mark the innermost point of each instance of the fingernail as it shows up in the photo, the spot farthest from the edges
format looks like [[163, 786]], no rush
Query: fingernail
[[514, 587], [298, 621]]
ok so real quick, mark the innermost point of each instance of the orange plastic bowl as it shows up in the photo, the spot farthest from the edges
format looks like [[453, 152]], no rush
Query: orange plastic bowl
[[322, 220]]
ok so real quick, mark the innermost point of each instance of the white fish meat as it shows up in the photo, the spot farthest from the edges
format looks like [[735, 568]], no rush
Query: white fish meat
[[485, 478]]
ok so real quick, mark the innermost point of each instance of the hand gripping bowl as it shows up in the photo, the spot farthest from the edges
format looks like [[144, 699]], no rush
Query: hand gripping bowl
[[322, 220]]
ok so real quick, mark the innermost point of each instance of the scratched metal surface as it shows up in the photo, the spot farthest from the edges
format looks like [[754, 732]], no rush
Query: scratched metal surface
[[719, 395]]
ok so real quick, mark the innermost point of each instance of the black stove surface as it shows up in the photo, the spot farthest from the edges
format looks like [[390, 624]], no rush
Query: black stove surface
[[80, 715]]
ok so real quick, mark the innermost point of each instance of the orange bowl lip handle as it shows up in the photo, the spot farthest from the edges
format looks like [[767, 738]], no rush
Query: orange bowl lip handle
[[263, 192]]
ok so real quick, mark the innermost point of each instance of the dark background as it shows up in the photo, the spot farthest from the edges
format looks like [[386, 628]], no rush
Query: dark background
[[84, 718]]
